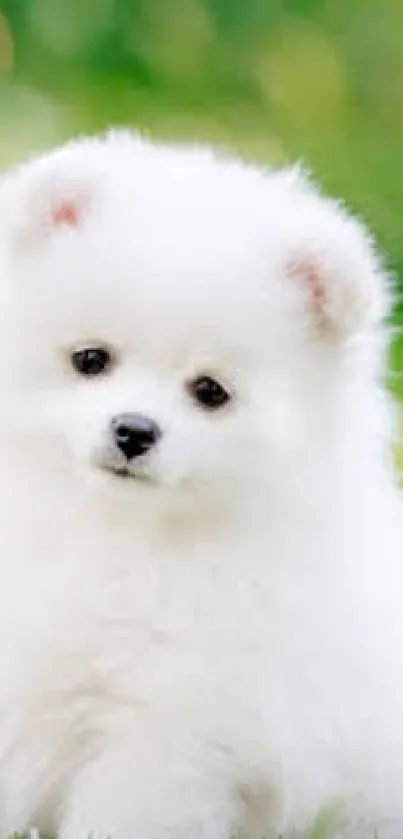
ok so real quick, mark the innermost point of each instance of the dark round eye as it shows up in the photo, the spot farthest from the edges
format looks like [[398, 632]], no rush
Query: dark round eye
[[91, 361], [208, 392]]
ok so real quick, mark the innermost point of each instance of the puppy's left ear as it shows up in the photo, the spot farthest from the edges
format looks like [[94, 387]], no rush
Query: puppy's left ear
[[333, 261]]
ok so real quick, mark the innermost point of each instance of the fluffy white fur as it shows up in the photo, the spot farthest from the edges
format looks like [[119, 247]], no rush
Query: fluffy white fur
[[213, 646]]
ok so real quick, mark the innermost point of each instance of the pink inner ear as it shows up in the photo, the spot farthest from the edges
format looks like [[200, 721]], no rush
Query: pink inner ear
[[65, 214], [306, 271]]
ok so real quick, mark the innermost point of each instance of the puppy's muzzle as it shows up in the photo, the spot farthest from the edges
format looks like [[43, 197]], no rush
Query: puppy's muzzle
[[134, 435]]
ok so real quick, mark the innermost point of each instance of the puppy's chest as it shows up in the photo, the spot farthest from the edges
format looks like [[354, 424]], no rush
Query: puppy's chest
[[167, 631], [226, 649], [165, 625], [149, 632]]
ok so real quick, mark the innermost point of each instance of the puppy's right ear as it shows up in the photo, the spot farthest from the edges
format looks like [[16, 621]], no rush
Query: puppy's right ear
[[42, 198]]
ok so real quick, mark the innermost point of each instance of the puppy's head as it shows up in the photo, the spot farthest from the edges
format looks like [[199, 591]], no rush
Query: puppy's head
[[173, 319]]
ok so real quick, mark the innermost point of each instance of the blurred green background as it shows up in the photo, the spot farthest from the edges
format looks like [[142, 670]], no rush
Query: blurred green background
[[276, 80]]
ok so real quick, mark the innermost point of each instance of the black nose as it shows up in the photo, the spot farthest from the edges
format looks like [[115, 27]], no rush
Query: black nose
[[134, 434]]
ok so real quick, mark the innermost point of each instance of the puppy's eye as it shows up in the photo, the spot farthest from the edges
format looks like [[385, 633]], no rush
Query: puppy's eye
[[207, 392], [91, 361]]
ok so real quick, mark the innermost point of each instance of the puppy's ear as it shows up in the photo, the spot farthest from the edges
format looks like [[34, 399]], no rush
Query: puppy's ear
[[332, 260], [53, 194]]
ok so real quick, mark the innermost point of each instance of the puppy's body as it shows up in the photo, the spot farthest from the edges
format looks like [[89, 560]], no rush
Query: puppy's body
[[207, 639]]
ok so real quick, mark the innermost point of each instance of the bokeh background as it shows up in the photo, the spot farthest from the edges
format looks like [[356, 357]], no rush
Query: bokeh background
[[275, 80]]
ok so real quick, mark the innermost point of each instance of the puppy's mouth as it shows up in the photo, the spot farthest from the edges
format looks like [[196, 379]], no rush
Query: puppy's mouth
[[126, 473], [108, 461]]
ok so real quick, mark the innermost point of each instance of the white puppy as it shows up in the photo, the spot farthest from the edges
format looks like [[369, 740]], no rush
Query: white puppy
[[201, 566]]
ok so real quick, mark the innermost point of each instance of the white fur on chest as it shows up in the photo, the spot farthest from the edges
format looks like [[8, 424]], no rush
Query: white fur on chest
[[220, 647]]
